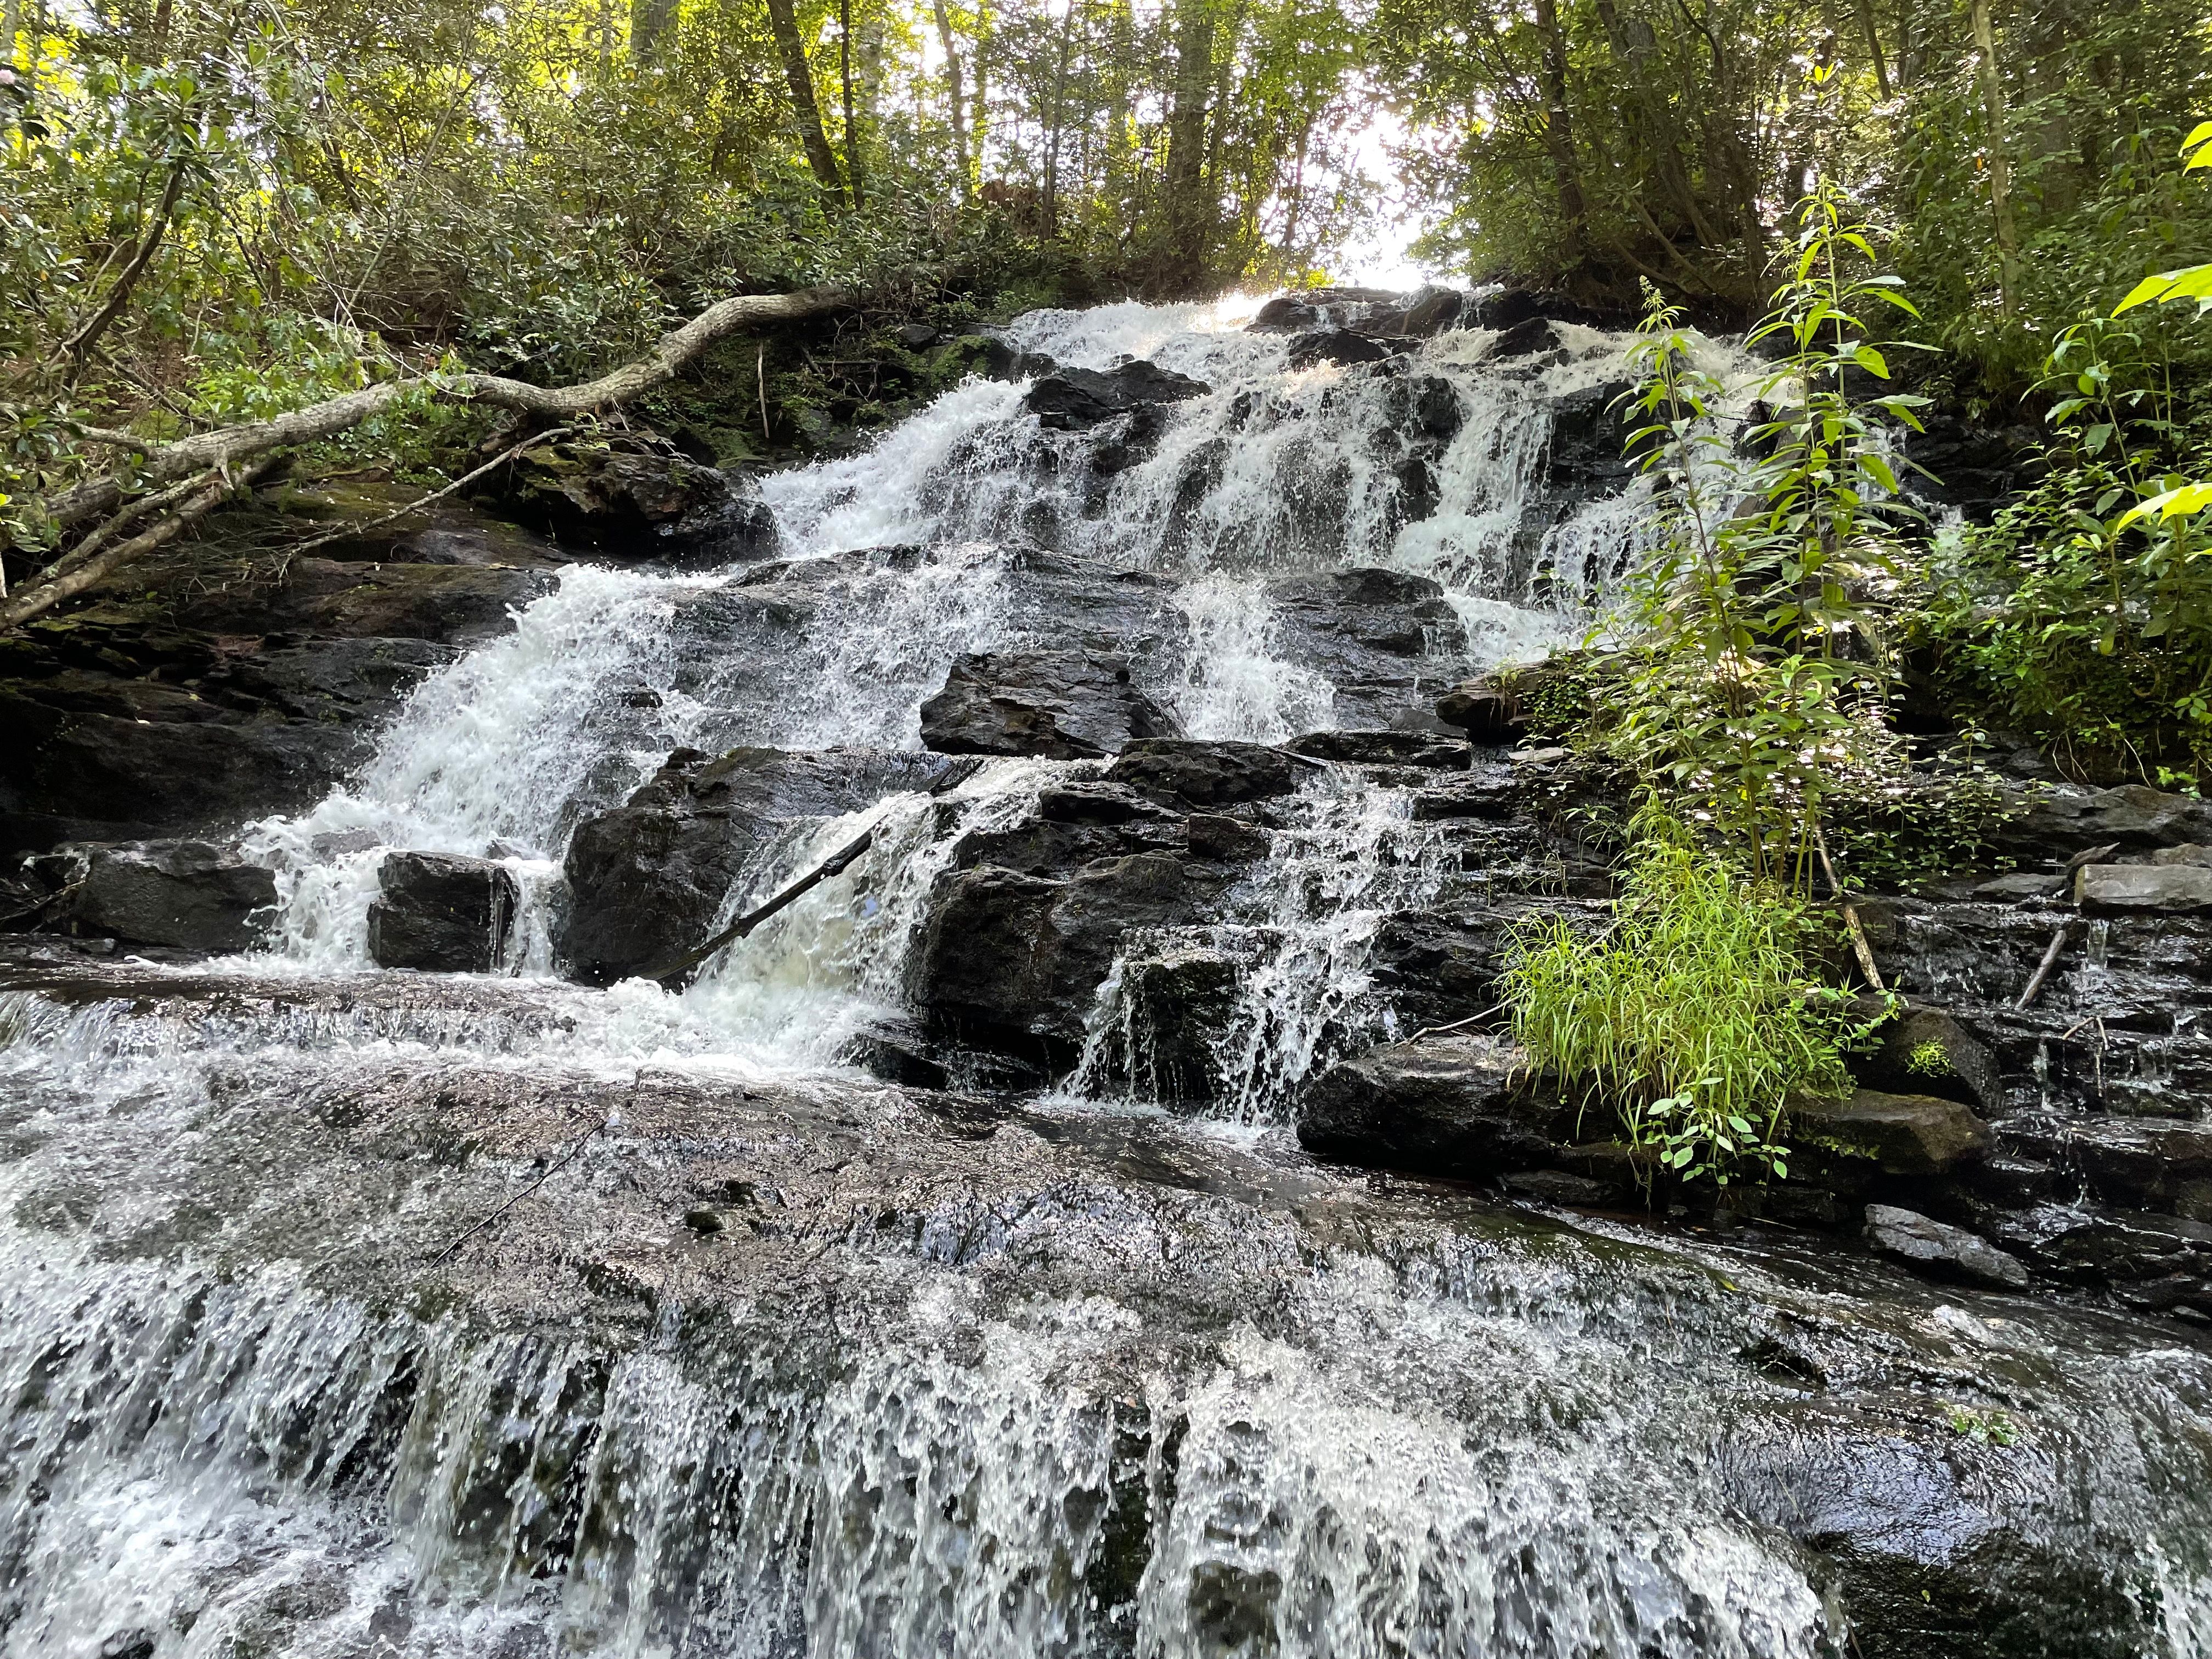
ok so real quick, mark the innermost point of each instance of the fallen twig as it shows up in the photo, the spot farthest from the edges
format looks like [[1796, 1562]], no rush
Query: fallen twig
[[2043, 969], [1860, 948], [465, 479], [836, 863], [1458, 1024], [552, 1170], [58, 894]]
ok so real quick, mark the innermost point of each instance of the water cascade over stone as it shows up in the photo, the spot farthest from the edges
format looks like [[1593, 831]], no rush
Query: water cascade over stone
[[932, 1271]]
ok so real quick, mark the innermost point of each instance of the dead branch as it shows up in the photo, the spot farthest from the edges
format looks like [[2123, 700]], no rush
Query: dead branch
[[88, 333], [2042, 970], [836, 863]]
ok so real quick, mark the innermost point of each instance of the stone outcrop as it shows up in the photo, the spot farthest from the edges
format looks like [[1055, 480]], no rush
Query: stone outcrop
[[1942, 1251], [1461, 1105], [1076, 399], [1057, 705], [188, 895], [648, 879], [442, 914]]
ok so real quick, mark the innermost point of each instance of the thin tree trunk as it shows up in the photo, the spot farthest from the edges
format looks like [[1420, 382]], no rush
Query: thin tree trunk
[[784, 21], [1993, 104], [853, 167], [78, 347], [1873, 49], [1188, 214], [1559, 132], [648, 27], [956, 96], [979, 75], [1058, 105]]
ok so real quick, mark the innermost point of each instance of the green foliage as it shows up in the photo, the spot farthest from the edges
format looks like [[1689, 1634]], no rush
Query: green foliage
[[1928, 1059], [1694, 1013], [1990, 1428], [1757, 676], [1899, 830], [2071, 617]]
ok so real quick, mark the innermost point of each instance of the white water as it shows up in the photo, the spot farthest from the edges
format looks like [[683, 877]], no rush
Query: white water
[[501, 755]]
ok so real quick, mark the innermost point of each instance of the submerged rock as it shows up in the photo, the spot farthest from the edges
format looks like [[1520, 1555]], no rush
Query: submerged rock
[[441, 913], [189, 894], [1058, 704]]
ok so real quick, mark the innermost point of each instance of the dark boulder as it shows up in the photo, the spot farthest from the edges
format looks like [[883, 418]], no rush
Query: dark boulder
[[627, 496], [1587, 454], [1383, 639], [1458, 1105], [647, 880], [1942, 1251], [1013, 961], [2066, 820], [189, 895], [1432, 310], [1075, 399], [1336, 345], [1059, 705], [441, 915], [1177, 1005], [1205, 774], [1899, 1134], [1286, 313], [1524, 340], [1926, 1051], [1485, 712], [1415, 749]]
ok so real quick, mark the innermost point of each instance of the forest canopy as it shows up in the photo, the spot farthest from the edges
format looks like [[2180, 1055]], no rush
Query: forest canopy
[[216, 209]]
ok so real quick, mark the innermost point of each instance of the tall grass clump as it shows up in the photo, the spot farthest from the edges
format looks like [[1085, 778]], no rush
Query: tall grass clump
[[1693, 1014]]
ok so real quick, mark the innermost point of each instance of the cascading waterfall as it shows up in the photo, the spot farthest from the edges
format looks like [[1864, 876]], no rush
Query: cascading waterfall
[[347, 1314]]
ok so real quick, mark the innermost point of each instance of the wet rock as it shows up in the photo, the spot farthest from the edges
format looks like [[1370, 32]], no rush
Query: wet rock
[[1076, 399], [1230, 839], [896, 1053], [2157, 1262], [1940, 1250], [1486, 712], [1416, 748], [1432, 310], [2189, 853], [1059, 705], [1901, 1134], [2168, 887], [626, 496], [2139, 1162], [192, 895], [2134, 815], [915, 337], [1383, 639], [441, 913], [137, 1643], [1176, 1004], [1524, 340], [1587, 456], [1335, 345], [1285, 314], [647, 879], [1012, 960], [1205, 774], [1461, 1105], [1926, 1051]]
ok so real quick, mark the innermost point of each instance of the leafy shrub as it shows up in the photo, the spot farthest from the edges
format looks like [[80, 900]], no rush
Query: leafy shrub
[[1694, 1013]]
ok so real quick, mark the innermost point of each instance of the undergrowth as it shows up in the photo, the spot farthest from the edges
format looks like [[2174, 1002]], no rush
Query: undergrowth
[[1694, 1013]]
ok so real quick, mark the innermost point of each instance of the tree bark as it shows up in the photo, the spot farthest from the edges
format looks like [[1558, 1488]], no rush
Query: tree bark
[[648, 27], [1188, 214], [784, 21], [956, 97], [1559, 132], [1993, 102], [845, 74], [229, 445], [1873, 34]]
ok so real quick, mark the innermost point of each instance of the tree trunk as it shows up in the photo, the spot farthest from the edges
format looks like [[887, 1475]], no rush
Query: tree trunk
[[853, 166], [1559, 132], [1059, 108], [649, 28], [1188, 214], [1873, 49], [979, 75], [956, 96], [1993, 103], [784, 21]]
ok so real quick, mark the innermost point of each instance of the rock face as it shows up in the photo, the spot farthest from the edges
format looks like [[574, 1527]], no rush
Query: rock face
[[1461, 1105], [2174, 888], [647, 880], [189, 894], [1341, 346], [1899, 1134], [1058, 704], [135, 718], [1075, 399], [441, 913], [1942, 1251], [1202, 774]]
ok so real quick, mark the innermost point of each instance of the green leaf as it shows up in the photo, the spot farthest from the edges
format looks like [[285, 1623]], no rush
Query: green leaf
[[1871, 361]]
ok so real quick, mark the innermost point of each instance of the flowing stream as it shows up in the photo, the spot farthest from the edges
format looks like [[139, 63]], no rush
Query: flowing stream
[[350, 1313]]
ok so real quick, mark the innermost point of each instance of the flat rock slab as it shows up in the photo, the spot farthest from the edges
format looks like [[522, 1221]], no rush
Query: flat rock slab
[[1901, 1134], [1056, 705], [1942, 1251], [1461, 1105], [2186, 888]]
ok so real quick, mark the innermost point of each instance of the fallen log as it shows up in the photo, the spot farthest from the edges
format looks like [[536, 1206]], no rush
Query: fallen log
[[224, 450]]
